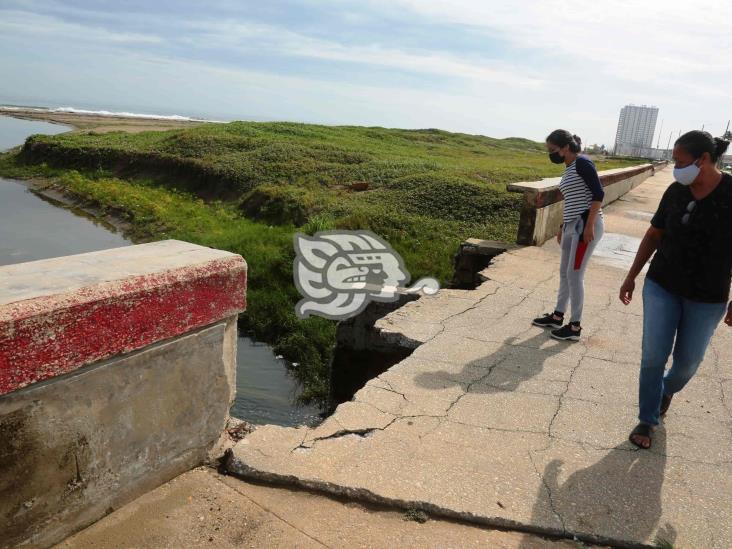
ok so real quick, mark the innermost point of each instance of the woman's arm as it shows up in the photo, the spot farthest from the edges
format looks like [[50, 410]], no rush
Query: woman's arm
[[588, 234], [586, 169], [648, 245]]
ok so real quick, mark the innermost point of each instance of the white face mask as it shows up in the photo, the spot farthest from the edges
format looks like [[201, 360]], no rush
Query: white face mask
[[687, 175]]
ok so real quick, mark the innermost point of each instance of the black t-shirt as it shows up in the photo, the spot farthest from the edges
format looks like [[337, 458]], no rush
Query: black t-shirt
[[694, 260]]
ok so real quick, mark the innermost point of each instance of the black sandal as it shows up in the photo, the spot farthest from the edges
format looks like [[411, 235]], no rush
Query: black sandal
[[665, 403], [642, 430]]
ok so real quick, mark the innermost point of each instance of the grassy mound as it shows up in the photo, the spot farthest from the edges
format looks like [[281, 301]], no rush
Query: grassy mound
[[226, 160]]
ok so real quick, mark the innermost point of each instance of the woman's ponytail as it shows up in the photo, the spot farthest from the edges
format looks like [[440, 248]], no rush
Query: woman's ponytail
[[577, 144]]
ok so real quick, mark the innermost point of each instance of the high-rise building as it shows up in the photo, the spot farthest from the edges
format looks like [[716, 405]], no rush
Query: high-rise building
[[636, 128]]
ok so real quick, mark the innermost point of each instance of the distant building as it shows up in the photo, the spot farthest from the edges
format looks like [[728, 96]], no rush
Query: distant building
[[727, 163], [636, 128]]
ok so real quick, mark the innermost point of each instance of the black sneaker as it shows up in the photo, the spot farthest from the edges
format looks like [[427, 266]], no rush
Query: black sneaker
[[566, 333], [548, 321]]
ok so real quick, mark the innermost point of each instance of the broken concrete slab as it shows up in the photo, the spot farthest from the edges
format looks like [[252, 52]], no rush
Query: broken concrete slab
[[390, 467]]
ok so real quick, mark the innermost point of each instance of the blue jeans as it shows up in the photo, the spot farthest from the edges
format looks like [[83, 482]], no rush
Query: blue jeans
[[667, 316]]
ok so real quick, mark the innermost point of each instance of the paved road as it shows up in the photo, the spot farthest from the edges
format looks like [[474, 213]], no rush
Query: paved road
[[491, 420]]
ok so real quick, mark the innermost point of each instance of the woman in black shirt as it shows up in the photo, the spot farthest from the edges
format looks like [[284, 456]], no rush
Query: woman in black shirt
[[687, 287]]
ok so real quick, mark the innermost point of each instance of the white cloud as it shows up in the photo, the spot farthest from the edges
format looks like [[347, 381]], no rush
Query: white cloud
[[252, 36], [29, 23], [627, 38], [600, 55]]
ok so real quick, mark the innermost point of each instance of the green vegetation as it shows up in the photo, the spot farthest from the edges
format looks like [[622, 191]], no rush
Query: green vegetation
[[416, 515], [662, 543], [247, 187]]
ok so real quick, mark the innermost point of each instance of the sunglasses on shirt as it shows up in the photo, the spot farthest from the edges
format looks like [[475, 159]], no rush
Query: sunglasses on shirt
[[690, 209]]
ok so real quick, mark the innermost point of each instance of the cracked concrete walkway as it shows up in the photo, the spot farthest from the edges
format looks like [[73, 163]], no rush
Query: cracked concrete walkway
[[491, 420]]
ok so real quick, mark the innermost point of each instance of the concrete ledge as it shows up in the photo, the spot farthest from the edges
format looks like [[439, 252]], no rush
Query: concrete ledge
[[59, 314], [543, 204], [118, 370]]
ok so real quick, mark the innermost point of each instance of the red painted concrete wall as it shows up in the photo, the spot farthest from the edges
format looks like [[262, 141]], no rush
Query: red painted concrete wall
[[52, 335]]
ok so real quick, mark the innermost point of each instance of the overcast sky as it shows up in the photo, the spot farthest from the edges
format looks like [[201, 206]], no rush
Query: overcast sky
[[510, 68]]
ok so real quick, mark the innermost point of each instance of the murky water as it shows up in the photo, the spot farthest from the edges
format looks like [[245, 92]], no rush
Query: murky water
[[266, 392], [33, 228]]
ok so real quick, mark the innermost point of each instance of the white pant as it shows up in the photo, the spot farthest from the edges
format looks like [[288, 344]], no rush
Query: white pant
[[572, 265]]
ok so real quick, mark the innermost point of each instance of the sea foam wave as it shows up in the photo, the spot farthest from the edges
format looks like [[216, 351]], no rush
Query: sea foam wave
[[125, 114], [121, 114]]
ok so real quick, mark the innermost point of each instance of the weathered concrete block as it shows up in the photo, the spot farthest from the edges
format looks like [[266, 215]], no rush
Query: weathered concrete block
[[78, 446], [117, 372]]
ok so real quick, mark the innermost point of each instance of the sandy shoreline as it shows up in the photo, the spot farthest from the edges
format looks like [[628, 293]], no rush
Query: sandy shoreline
[[97, 122]]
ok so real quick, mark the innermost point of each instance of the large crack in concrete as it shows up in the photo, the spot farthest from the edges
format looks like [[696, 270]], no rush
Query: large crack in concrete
[[363, 433], [240, 469]]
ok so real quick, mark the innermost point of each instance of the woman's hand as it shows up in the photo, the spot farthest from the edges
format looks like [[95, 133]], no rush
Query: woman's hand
[[588, 235], [626, 292], [728, 318], [559, 234]]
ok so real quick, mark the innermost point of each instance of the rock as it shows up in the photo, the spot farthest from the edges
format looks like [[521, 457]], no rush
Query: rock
[[359, 186]]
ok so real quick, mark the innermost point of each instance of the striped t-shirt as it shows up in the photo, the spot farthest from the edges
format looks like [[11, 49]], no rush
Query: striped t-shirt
[[580, 186]]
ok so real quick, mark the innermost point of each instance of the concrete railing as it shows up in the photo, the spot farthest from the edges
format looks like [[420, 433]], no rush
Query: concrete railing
[[117, 372], [542, 207]]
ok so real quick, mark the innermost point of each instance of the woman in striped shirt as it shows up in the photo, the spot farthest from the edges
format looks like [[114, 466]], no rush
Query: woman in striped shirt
[[581, 229]]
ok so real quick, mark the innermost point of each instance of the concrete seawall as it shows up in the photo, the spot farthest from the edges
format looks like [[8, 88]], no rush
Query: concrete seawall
[[117, 372], [542, 207]]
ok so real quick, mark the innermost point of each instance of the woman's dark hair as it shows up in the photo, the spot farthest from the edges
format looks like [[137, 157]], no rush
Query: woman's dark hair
[[560, 138], [697, 142]]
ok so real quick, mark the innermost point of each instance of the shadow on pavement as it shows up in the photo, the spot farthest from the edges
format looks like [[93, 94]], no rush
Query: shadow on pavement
[[510, 365], [618, 498]]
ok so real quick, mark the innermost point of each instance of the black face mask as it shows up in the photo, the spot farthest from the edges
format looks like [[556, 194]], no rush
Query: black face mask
[[556, 157]]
